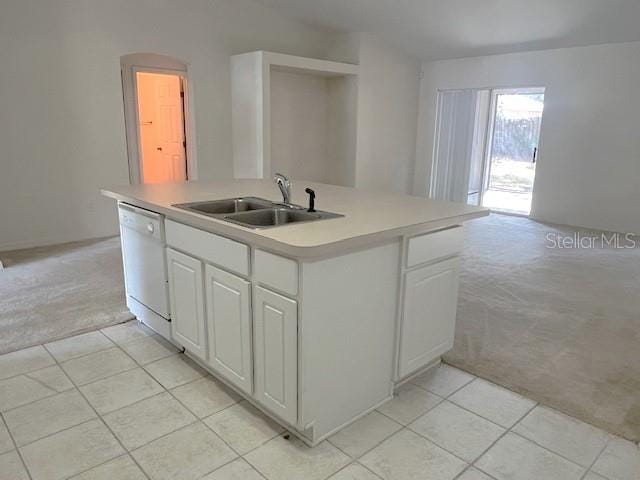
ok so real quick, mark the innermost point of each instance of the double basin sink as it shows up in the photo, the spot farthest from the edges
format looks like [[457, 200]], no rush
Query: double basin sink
[[253, 212]]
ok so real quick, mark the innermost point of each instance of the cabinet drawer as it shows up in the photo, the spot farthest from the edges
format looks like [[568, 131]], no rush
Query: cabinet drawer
[[213, 248], [278, 272], [432, 246]]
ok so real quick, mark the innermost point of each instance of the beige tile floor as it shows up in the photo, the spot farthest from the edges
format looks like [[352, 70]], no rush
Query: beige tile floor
[[122, 404]]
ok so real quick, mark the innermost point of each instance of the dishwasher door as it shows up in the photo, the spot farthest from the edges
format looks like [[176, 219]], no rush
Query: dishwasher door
[[145, 268]]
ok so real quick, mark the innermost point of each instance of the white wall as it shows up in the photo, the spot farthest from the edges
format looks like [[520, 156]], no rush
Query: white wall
[[388, 94], [588, 169], [62, 131], [299, 121], [313, 126]]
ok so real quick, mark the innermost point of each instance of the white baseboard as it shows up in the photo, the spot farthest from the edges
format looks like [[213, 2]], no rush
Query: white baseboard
[[44, 242]]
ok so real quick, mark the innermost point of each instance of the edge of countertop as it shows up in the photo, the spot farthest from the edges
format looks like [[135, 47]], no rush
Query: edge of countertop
[[253, 236]]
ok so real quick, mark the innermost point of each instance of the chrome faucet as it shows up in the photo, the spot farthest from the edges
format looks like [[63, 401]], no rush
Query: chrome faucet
[[284, 185]]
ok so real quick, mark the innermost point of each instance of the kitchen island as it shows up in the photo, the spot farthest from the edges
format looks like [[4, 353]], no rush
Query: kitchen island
[[314, 322]]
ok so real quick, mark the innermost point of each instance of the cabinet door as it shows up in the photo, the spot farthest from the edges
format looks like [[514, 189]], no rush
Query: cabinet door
[[229, 327], [429, 314], [275, 328], [187, 302]]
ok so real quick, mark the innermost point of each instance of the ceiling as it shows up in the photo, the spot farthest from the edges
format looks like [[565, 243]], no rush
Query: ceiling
[[442, 29]]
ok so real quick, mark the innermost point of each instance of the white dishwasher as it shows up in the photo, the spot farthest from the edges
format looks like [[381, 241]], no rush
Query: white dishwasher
[[145, 267]]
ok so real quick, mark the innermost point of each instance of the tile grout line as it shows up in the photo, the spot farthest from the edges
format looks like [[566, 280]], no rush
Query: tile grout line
[[538, 404], [357, 458], [504, 434], [367, 468], [201, 420], [406, 427], [596, 459], [476, 414], [74, 386], [56, 432], [354, 460], [239, 457], [447, 398], [510, 429], [53, 394], [133, 403], [450, 394], [242, 456], [549, 450], [24, 374], [128, 452], [102, 420], [471, 468], [38, 381], [102, 378], [466, 462], [197, 418], [44, 345], [112, 342], [15, 446], [250, 465], [125, 454]]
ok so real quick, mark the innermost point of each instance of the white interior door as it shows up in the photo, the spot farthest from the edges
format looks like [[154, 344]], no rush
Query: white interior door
[[161, 127]]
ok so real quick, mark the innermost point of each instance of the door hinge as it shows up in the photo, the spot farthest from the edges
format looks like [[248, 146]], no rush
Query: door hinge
[[181, 93], [184, 144]]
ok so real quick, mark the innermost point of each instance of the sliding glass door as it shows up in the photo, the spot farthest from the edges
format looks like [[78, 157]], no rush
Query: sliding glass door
[[516, 115]]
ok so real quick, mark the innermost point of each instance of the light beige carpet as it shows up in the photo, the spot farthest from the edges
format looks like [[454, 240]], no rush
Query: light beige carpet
[[561, 326], [52, 292]]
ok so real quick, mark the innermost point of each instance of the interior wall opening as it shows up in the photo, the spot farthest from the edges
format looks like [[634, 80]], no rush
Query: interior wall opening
[[159, 119], [486, 147]]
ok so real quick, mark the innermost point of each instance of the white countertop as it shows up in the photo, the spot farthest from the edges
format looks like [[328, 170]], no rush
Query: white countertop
[[369, 217]]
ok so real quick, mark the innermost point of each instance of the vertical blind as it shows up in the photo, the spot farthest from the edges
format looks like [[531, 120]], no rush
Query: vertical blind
[[454, 136]]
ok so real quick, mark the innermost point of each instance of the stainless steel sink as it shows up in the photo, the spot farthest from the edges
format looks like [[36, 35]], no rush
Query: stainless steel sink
[[274, 217], [253, 212], [228, 205]]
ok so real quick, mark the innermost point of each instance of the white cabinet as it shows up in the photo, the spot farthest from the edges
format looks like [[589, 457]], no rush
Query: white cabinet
[[186, 294], [429, 314], [229, 327], [275, 323]]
